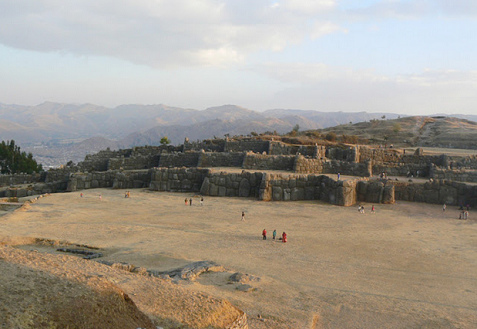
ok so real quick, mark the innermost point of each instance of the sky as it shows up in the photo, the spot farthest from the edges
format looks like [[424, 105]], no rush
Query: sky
[[400, 56]]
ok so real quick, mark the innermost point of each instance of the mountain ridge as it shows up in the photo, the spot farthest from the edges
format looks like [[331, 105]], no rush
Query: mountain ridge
[[59, 128]]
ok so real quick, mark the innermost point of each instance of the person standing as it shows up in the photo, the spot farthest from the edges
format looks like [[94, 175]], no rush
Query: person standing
[[243, 216], [186, 201], [201, 201], [444, 207], [274, 234], [264, 234], [284, 237], [190, 202]]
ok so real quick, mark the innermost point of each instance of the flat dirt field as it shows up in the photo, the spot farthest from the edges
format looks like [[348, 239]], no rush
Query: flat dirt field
[[408, 265]]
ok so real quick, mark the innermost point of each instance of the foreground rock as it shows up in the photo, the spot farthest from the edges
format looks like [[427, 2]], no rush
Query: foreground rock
[[43, 290]]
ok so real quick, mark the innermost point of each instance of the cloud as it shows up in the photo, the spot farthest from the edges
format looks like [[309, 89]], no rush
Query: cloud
[[406, 9], [163, 33], [326, 88]]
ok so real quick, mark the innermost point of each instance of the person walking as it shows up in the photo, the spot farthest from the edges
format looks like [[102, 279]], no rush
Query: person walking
[[190, 202], [264, 234], [202, 201], [243, 216]]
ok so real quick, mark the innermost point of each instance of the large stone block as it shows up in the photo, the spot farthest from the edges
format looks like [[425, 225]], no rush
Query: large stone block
[[204, 189], [222, 191], [186, 185], [244, 188], [213, 190], [277, 193], [388, 194], [286, 194]]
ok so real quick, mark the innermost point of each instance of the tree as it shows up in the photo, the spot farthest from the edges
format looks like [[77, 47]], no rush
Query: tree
[[13, 161], [383, 117], [165, 141], [296, 127]]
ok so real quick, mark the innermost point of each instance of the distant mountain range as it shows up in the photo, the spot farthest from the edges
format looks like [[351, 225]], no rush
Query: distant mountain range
[[56, 133]]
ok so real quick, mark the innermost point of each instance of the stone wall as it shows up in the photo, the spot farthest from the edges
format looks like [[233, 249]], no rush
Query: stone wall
[[245, 184], [177, 160], [177, 179], [132, 179], [100, 160], [221, 159], [134, 162], [402, 169], [268, 162], [349, 154], [307, 165], [62, 174], [347, 168], [462, 175], [208, 145], [282, 187], [16, 179], [380, 155], [33, 189], [375, 192], [438, 191], [279, 148], [84, 181], [256, 146]]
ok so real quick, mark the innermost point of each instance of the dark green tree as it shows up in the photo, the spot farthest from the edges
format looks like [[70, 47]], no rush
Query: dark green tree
[[165, 141], [13, 161]]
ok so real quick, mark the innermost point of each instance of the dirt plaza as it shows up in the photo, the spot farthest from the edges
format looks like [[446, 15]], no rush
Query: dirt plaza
[[408, 265]]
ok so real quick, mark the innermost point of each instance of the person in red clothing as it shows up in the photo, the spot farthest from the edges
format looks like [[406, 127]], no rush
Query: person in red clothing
[[264, 234], [284, 237]]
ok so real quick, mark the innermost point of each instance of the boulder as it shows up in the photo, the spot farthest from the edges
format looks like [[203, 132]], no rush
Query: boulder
[[244, 188]]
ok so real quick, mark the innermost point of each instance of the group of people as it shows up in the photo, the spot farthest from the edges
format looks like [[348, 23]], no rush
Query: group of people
[[361, 209], [274, 235], [464, 214], [189, 201]]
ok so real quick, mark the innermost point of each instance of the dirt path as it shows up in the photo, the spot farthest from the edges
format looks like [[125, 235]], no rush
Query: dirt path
[[408, 265]]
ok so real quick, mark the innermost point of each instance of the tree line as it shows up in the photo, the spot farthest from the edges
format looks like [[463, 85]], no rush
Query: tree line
[[13, 161]]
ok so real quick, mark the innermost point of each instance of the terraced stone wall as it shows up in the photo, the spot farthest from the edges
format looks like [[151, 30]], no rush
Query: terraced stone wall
[[279, 148], [268, 162], [177, 179], [307, 165], [134, 162], [177, 160], [245, 184], [437, 191], [244, 146], [221, 159], [348, 154], [348, 168], [282, 187], [462, 175], [7, 180]]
